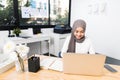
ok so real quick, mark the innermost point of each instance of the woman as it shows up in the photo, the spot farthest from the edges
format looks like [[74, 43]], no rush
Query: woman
[[77, 42]]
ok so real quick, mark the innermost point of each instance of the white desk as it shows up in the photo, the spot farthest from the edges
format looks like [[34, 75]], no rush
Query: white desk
[[32, 39]]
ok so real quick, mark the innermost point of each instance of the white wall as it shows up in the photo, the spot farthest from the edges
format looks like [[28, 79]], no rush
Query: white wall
[[103, 23]]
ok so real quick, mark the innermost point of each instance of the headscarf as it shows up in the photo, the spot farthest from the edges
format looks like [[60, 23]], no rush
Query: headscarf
[[73, 40]]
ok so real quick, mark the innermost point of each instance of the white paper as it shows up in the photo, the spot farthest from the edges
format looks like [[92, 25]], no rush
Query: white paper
[[52, 63], [47, 62], [57, 65]]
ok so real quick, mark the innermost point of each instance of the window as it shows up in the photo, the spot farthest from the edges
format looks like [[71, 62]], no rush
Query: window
[[6, 13], [34, 13], [59, 12]]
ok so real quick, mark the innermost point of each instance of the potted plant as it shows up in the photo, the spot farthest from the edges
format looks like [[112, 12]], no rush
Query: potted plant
[[16, 31]]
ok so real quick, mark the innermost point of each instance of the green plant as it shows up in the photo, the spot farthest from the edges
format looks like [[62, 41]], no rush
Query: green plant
[[16, 31]]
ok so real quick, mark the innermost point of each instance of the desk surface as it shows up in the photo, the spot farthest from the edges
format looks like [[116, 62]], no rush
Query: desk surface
[[56, 75], [31, 39]]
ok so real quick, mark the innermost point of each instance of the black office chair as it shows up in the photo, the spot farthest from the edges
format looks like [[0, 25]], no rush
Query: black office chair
[[110, 60], [59, 54]]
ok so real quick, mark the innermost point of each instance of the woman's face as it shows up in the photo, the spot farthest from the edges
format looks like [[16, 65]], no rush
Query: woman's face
[[79, 33]]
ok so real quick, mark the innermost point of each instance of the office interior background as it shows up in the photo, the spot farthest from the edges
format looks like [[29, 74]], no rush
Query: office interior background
[[102, 18]]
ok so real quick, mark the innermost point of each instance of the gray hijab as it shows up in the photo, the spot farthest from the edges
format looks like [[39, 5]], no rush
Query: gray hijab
[[73, 40]]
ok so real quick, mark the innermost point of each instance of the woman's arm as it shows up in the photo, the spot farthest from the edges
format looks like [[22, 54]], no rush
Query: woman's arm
[[65, 46], [91, 49]]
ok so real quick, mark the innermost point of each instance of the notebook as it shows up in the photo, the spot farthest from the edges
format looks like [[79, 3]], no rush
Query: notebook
[[85, 64]]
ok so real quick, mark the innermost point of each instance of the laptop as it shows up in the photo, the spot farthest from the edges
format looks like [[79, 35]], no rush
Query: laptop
[[85, 64]]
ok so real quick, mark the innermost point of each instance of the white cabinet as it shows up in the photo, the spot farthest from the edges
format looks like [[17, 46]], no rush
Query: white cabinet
[[57, 41]]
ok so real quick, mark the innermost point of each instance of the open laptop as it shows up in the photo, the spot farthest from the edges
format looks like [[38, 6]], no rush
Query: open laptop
[[86, 64]]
